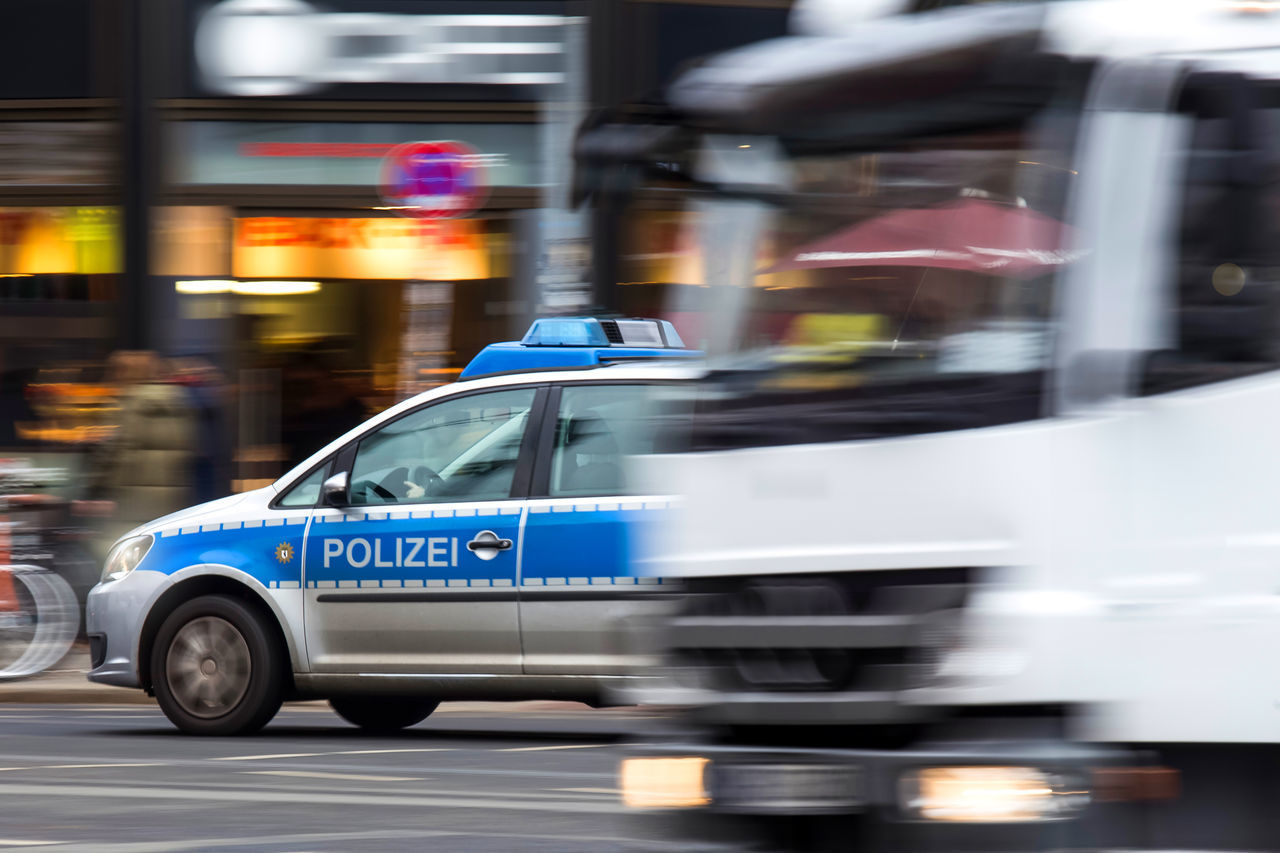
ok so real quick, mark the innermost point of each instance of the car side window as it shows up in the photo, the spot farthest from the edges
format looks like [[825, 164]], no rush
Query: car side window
[[459, 449], [599, 426], [305, 492]]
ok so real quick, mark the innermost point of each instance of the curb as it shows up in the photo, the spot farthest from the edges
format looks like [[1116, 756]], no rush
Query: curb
[[67, 682], [33, 691]]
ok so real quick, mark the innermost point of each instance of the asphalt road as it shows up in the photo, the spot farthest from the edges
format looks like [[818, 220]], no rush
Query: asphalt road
[[470, 778]]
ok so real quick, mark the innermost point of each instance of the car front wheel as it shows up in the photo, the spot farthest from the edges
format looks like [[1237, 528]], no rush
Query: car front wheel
[[215, 668]]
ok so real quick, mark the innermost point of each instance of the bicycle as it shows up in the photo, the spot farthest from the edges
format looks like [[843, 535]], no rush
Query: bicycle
[[39, 613]]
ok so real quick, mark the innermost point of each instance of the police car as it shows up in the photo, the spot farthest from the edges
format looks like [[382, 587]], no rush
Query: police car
[[470, 542]]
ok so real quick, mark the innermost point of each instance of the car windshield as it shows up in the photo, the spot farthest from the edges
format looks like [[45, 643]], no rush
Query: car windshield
[[907, 289]]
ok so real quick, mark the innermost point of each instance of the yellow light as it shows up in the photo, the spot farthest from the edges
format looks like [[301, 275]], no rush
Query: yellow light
[[212, 285], [1256, 7], [986, 795], [248, 288], [1229, 279], [275, 288], [663, 783]]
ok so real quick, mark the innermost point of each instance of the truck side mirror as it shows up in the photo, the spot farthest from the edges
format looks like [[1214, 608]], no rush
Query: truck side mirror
[[333, 492]]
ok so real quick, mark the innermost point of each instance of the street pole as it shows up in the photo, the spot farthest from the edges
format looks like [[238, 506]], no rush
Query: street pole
[[137, 172]]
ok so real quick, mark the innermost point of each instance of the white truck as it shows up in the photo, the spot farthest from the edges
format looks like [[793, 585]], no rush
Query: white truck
[[981, 522]]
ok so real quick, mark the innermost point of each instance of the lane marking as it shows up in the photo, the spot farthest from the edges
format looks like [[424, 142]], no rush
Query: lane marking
[[80, 766], [315, 774], [260, 797], [415, 790], [610, 791], [258, 841], [268, 757], [386, 751], [36, 719], [325, 754], [255, 842], [24, 842], [338, 766], [549, 748], [117, 717], [93, 709]]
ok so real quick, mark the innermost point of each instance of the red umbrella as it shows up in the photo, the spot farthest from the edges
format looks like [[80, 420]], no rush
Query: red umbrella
[[969, 234]]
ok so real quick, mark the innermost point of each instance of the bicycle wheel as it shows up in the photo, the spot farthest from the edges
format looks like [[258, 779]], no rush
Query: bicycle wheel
[[39, 625]]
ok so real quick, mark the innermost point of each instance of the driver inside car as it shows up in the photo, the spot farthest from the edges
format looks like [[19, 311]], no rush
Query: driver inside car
[[420, 462]]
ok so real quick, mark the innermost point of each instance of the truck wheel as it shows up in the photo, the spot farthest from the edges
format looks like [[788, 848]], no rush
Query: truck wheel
[[215, 669], [382, 714]]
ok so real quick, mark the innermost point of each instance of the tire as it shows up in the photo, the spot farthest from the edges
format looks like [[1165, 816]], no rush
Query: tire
[[381, 714], [216, 669]]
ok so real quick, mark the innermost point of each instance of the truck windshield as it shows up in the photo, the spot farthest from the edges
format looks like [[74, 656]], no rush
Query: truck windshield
[[860, 294]]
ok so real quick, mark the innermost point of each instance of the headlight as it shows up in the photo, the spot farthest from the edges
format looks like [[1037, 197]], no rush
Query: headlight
[[991, 794], [663, 783], [125, 556]]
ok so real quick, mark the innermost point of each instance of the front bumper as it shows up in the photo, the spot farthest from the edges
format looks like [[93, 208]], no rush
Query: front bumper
[[116, 612], [767, 799]]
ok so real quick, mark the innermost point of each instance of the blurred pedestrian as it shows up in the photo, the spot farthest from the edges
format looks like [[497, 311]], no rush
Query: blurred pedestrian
[[319, 407], [145, 469], [15, 410], [211, 463]]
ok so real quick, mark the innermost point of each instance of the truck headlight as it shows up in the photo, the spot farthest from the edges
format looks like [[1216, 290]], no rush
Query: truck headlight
[[125, 556], [664, 783], [990, 794]]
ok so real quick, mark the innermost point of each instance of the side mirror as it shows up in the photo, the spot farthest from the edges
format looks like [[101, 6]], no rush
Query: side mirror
[[333, 492]]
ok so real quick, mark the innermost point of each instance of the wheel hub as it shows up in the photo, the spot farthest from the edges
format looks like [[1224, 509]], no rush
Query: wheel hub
[[208, 667]]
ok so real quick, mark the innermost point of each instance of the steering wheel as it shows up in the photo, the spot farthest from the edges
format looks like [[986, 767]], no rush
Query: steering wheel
[[427, 478], [366, 486]]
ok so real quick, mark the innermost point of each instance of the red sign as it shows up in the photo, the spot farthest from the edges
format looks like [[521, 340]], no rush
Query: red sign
[[433, 180]]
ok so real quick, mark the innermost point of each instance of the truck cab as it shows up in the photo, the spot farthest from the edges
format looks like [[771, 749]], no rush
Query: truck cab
[[978, 512]]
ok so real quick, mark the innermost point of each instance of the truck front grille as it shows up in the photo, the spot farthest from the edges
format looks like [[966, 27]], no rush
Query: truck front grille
[[780, 649]]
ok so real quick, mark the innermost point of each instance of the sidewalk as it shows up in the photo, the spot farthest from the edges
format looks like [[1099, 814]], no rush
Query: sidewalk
[[66, 682]]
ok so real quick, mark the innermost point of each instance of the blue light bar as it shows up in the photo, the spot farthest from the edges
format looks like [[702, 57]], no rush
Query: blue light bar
[[566, 332], [580, 342]]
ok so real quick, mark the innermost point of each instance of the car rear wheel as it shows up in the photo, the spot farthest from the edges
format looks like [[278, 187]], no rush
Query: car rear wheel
[[382, 714], [215, 668]]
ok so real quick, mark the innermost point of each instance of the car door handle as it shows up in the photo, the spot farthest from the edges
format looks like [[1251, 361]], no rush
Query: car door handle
[[487, 540]]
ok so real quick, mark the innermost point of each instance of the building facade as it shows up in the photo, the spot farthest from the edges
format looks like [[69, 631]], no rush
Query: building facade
[[208, 178]]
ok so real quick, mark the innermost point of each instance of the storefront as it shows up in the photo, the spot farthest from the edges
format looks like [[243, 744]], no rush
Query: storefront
[[60, 260], [167, 183], [276, 253], [405, 301]]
